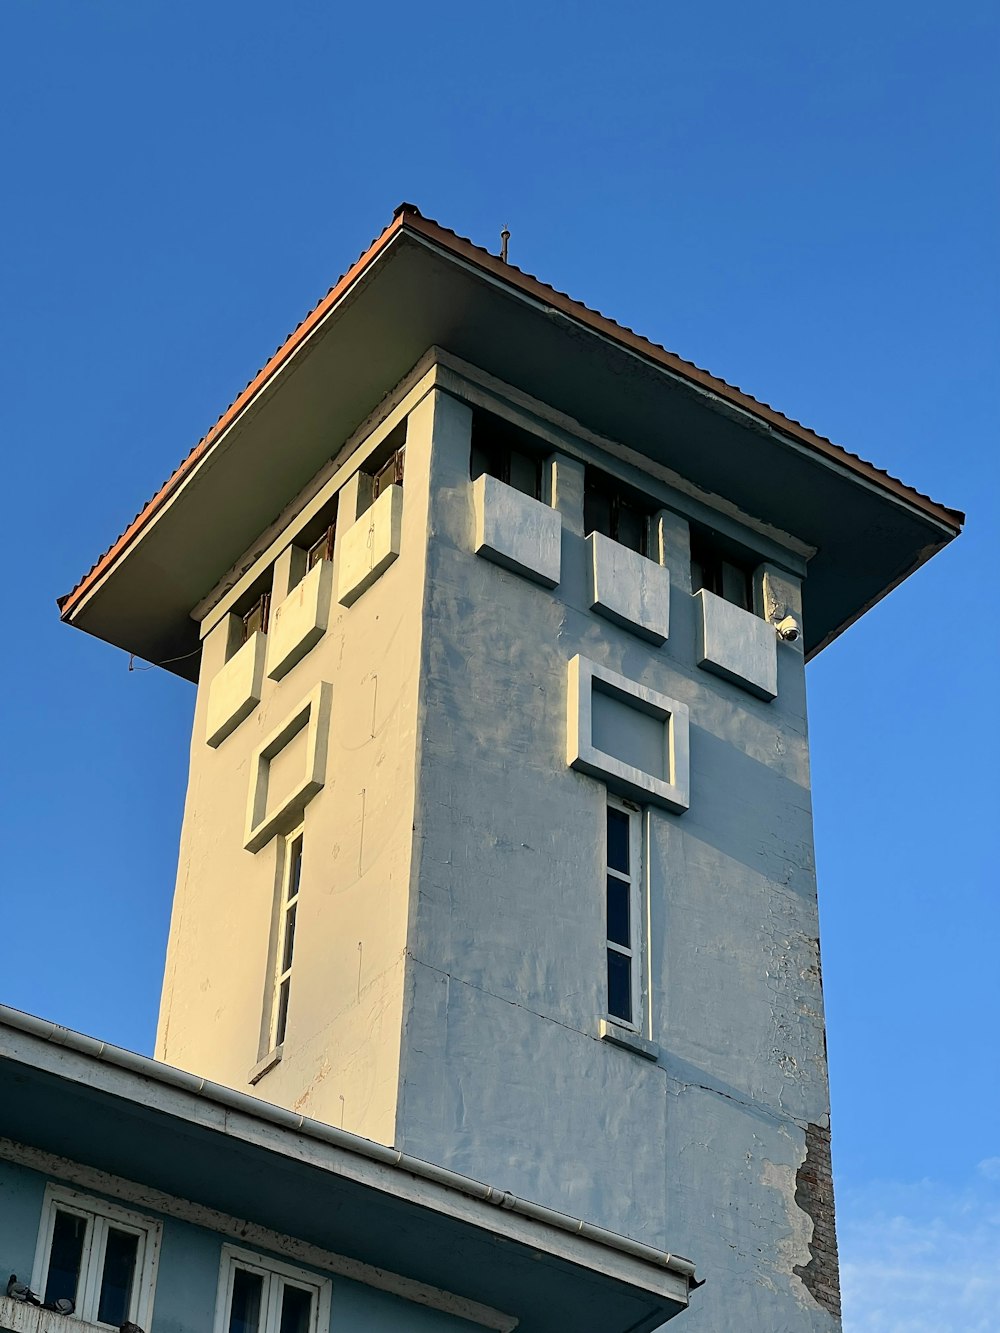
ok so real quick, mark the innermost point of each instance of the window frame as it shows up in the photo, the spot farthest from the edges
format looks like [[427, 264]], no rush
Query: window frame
[[716, 570], [263, 605], [389, 473], [100, 1215], [322, 548], [635, 949], [276, 1274], [598, 484], [280, 975], [498, 460]]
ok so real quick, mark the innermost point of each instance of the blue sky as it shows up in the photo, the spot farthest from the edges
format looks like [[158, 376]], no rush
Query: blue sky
[[803, 200]]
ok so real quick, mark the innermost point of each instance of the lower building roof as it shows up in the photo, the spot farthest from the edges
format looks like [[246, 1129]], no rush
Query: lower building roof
[[412, 1227]]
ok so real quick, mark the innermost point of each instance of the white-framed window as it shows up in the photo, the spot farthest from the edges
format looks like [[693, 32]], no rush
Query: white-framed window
[[264, 1295], [623, 912], [98, 1255], [286, 913]]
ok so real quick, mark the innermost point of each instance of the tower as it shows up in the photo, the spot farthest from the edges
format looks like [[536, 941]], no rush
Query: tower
[[497, 844]]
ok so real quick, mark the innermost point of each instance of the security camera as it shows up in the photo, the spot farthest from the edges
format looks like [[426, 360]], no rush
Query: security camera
[[787, 628]]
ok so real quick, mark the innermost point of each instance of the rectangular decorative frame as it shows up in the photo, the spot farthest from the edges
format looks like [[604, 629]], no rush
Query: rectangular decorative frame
[[314, 714], [581, 754]]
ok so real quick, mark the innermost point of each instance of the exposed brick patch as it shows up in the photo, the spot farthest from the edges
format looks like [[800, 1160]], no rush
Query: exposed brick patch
[[814, 1195]]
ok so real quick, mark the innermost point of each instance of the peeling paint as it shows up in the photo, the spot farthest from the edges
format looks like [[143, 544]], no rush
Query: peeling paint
[[814, 1196]]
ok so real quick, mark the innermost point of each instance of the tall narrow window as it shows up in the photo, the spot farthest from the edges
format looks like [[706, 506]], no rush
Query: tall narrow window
[[623, 912], [285, 938]]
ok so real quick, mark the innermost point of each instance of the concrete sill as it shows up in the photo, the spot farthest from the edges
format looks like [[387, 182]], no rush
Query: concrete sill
[[628, 1040], [20, 1317], [264, 1066]]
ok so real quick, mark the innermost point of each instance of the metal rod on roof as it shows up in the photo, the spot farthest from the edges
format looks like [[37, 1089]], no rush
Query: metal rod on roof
[[504, 238]]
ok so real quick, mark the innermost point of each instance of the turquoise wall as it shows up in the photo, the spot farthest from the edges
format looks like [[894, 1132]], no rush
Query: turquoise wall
[[188, 1276]]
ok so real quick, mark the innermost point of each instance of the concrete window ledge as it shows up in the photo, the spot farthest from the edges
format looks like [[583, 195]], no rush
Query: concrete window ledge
[[300, 621], [737, 645], [19, 1317], [516, 531], [370, 545], [628, 589], [628, 1040], [235, 692], [265, 1066]]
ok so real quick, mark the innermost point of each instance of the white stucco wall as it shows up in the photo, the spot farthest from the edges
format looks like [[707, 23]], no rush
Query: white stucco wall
[[340, 1060]]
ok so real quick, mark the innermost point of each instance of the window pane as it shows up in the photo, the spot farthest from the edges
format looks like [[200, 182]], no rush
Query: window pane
[[631, 528], [618, 840], [597, 512], [736, 585], [524, 474], [248, 1290], [282, 1023], [286, 953], [68, 1235], [619, 986], [618, 912], [295, 870], [119, 1274], [296, 1310], [391, 473], [484, 459], [700, 578], [256, 618]]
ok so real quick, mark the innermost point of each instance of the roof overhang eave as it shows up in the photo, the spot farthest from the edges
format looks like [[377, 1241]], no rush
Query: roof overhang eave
[[418, 286]]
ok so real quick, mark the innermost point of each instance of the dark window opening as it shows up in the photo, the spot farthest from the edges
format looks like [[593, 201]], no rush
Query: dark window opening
[[619, 986], [323, 548], [69, 1233], [718, 571], [390, 473], [296, 1310], [247, 1298], [618, 836], [498, 449], [621, 912], [120, 1254], [510, 466], [609, 510], [255, 620]]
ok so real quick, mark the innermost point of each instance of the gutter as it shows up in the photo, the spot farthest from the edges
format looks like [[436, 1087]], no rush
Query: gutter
[[146, 1067]]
